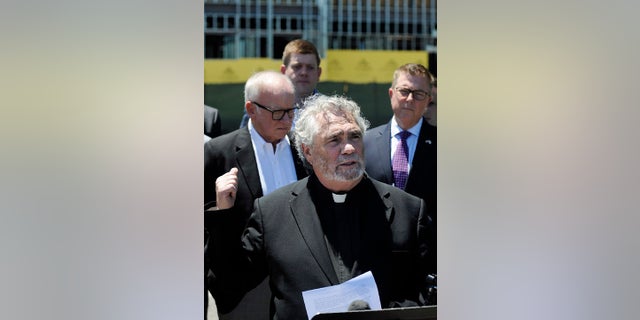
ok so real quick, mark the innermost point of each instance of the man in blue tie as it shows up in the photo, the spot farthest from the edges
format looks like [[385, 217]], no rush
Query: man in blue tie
[[402, 152]]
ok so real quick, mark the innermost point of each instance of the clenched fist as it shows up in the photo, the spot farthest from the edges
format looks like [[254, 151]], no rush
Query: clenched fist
[[226, 189]]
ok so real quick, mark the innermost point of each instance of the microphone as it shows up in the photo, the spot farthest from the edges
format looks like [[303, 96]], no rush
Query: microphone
[[359, 305], [431, 296]]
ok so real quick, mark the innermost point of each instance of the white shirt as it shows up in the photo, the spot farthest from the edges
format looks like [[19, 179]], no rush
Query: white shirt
[[276, 169], [412, 140]]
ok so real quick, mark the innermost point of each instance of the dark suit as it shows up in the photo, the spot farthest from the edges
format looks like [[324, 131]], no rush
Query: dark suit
[[422, 180], [212, 129], [284, 239], [234, 149], [212, 124]]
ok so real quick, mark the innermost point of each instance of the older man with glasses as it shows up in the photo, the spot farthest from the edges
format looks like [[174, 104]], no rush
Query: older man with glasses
[[247, 164], [402, 152]]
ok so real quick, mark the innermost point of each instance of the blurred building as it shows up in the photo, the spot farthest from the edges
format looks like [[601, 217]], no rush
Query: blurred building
[[261, 28], [360, 42]]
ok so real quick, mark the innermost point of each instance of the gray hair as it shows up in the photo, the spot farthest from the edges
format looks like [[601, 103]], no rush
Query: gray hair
[[265, 81], [307, 125]]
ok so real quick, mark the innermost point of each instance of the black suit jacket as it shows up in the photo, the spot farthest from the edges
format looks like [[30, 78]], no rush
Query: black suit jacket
[[220, 155], [236, 150], [284, 239], [422, 180], [212, 123]]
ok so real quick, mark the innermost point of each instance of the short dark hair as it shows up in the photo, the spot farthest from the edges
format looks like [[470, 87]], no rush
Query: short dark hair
[[299, 46], [414, 69]]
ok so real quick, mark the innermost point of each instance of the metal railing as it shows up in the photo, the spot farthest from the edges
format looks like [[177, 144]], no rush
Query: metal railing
[[250, 28]]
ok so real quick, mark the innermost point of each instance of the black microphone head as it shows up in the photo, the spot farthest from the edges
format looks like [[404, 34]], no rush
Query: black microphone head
[[359, 305]]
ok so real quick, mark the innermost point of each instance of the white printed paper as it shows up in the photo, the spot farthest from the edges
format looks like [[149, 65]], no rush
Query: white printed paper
[[338, 298]]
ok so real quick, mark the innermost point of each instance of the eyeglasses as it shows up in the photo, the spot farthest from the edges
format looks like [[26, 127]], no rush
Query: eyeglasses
[[277, 114], [417, 94]]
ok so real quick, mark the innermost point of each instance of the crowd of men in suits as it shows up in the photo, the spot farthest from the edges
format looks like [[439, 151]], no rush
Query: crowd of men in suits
[[291, 206]]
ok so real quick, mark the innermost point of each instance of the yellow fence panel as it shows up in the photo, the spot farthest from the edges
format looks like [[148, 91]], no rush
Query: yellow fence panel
[[362, 66], [219, 71], [352, 66]]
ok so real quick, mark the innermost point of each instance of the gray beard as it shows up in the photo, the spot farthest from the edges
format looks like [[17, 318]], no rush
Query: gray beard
[[341, 175]]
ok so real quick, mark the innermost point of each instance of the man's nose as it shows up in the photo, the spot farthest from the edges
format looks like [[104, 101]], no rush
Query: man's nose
[[288, 117], [348, 148]]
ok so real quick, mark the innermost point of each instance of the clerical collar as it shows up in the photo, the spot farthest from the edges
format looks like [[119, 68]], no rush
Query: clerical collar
[[339, 198], [321, 193]]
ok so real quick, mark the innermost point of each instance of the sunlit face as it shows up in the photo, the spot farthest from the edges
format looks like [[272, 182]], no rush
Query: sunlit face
[[262, 120], [337, 154], [409, 109], [304, 72]]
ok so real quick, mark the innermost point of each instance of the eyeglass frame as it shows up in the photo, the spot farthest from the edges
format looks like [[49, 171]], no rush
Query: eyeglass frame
[[408, 92], [273, 112]]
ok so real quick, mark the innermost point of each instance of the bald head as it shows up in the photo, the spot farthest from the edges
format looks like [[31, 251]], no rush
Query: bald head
[[267, 81]]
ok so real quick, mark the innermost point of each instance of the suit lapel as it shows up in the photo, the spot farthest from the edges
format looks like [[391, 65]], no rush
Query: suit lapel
[[304, 212], [385, 143], [247, 163], [386, 199], [425, 151], [426, 141], [383, 150]]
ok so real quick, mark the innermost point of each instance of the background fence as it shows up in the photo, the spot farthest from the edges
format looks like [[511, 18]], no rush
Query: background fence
[[362, 75]]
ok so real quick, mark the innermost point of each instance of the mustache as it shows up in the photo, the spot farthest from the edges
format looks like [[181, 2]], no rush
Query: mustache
[[349, 158]]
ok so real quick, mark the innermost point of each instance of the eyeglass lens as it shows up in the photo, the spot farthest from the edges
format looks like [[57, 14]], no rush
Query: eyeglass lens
[[417, 94], [277, 114]]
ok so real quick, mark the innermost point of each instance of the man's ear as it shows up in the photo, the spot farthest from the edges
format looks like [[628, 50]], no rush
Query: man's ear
[[306, 151], [249, 107], [283, 68]]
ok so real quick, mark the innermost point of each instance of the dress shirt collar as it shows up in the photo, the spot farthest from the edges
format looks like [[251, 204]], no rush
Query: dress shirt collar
[[395, 128], [259, 142]]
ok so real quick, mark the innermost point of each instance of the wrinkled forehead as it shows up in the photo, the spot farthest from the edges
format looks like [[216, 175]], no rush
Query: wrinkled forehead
[[336, 120]]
